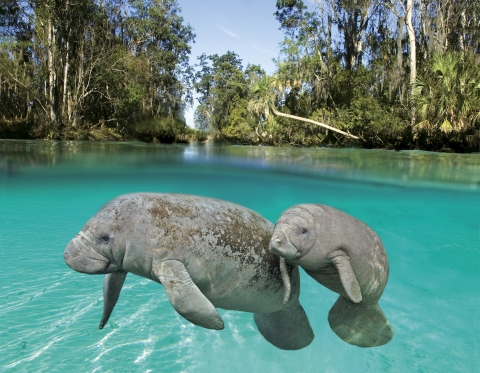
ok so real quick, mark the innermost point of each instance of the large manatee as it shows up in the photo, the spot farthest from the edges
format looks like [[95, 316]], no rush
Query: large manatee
[[207, 254], [345, 255]]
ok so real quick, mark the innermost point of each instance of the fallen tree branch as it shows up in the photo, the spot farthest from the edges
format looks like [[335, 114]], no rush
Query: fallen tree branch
[[314, 122]]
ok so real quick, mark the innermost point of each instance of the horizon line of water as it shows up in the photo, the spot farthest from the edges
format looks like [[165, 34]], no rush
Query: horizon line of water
[[402, 168]]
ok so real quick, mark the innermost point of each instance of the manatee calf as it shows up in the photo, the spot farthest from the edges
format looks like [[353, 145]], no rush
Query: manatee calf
[[346, 256], [207, 253]]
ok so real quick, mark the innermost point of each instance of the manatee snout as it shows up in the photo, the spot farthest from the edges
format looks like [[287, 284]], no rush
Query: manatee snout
[[83, 259], [280, 245]]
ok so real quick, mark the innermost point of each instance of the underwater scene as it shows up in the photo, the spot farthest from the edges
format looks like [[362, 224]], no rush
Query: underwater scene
[[425, 208]]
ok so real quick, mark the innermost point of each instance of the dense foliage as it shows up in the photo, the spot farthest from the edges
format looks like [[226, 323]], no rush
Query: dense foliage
[[396, 74], [93, 69], [399, 74]]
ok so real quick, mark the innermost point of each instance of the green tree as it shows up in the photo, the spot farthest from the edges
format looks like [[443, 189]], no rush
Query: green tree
[[222, 87], [448, 97], [156, 32], [262, 104], [87, 65], [15, 63]]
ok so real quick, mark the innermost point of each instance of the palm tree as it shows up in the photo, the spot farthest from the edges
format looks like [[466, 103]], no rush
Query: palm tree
[[265, 92], [449, 96]]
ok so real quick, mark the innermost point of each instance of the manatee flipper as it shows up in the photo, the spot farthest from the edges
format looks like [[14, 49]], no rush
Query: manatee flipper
[[347, 277], [287, 287], [363, 326], [185, 296], [288, 329], [112, 285]]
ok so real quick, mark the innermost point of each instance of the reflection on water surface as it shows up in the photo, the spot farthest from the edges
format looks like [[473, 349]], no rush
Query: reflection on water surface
[[383, 166]]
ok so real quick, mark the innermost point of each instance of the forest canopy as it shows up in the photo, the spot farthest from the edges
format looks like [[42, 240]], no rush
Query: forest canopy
[[94, 69], [398, 74]]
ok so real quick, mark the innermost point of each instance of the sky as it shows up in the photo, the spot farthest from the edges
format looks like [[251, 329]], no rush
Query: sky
[[246, 27]]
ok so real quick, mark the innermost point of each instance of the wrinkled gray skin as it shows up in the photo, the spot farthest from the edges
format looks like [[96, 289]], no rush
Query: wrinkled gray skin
[[346, 256], [205, 252]]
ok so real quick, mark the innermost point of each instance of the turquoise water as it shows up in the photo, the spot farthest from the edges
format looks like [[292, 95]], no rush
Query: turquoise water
[[424, 206]]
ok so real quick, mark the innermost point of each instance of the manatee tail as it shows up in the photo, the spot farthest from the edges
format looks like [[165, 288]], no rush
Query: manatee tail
[[288, 329], [359, 325]]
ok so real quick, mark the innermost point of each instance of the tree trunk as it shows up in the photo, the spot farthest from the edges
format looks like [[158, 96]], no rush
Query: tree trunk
[[400, 23], [413, 56], [78, 93], [363, 14], [65, 82], [51, 69], [462, 34], [66, 67]]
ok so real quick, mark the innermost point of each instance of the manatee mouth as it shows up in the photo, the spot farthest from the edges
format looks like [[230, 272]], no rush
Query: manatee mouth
[[82, 258], [283, 254], [84, 264], [280, 245]]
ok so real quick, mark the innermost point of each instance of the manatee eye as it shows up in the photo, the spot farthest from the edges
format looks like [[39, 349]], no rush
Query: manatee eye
[[304, 230], [105, 239]]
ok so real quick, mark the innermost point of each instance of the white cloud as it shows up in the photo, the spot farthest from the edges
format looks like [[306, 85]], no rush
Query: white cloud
[[232, 34], [221, 16], [263, 50]]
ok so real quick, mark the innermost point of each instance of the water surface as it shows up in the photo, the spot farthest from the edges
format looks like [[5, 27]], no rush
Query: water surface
[[424, 206]]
